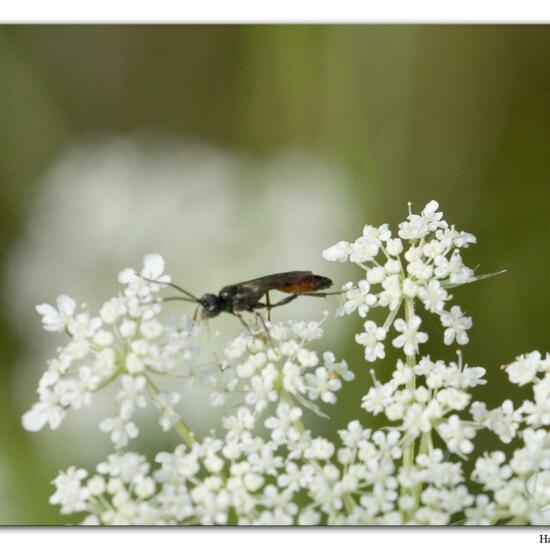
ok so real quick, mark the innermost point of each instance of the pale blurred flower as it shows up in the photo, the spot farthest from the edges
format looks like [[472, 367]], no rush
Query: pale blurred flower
[[70, 494]]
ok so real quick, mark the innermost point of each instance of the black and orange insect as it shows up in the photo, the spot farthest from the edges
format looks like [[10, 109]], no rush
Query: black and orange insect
[[248, 295]]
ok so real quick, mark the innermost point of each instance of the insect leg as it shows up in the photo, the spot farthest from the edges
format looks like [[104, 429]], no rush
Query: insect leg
[[282, 302], [268, 305], [258, 316], [240, 318]]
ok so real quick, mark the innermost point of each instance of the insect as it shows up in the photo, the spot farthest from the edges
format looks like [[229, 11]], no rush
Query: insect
[[247, 296]]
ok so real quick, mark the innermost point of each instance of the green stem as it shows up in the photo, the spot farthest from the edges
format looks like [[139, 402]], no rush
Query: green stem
[[298, 424], [107, 381], [425, 443], [349, 503], [180, 426], [408, 453]]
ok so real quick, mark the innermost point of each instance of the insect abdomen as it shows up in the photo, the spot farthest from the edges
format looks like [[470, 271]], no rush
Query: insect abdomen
[[310, 283]]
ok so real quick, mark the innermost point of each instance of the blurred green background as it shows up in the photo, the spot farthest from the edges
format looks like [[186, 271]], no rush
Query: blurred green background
[[459, 114]]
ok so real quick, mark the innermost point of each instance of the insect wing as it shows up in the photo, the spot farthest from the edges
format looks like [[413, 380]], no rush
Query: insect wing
[[277, 281], [290, 282], [253, 290]]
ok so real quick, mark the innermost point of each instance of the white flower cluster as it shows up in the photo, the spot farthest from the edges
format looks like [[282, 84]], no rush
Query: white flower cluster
[[125, 342], [252, 482], [274, 368], [440, 391], [518, 487], [421, 468], [248, 480], [422, 262]]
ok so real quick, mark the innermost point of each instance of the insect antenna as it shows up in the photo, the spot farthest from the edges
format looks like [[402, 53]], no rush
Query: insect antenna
[[173, 285], [322, 294]]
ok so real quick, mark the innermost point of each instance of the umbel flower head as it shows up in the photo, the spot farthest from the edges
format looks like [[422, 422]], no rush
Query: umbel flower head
[[422, 262], [125, 341], [266, 467]]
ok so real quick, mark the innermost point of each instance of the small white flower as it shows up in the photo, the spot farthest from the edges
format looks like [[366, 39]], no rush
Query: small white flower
[[392, 293], [453, 399], [421, 419], [104, 364], [503, 420], [103, 338], [122, 430], [418, 227], [379, 397], [145, 487], [140, 285], [372, 339], [375, 275], [57, 320], [49, 410], [70, 493], [225, 383], [112, 310], [307, 358], [410, 337], [353, 434], [364, 249], [153, 267], [457, 325], [491, 471], [320, 449], [338, 252], [394, 247], [166, 401], [322, 385], [433, 296], [131, 395], [341, 369], [402, 373], [282, 426], [453, 269], [525, 368], [357, 298], [434, 248], [151, 329], [308, 331], [241, 422], [410, 288], [261, 391], [484, 512], [293, 379], [432, 216], [82, 326], [128, 328], [472, 376], [236, 348], [96, 485], [457, 435]]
